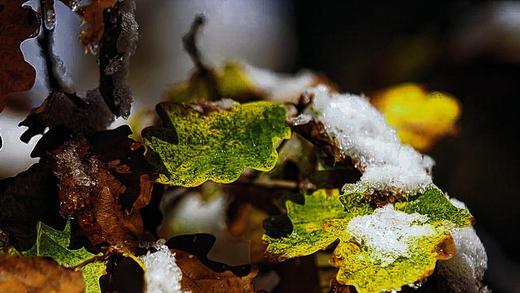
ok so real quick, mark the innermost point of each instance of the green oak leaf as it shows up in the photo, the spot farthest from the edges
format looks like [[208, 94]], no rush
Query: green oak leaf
[[202, 142], [54, 244], [379, 248]]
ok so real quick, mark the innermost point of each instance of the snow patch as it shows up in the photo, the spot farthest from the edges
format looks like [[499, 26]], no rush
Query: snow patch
[[465, 271], [388, 233], [162, 275], [362, 134]]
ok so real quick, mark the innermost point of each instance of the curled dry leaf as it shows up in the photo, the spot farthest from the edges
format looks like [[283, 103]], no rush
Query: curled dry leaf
[[17, 23], [33, 274], [101, 189]]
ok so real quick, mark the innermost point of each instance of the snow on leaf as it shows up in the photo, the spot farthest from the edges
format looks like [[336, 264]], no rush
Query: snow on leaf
[[359, 132], [161, 272], [420, 117], [36, 274], [465, 271], [215, 141], [55, 244], [380, 248]]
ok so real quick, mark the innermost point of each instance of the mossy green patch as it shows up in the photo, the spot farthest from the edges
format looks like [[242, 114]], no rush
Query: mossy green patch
[[55, 244], [199, 144], [324, 219]]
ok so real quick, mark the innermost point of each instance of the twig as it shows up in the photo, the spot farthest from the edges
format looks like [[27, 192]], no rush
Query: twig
[[52, 62], [190, 45], [277, 184]]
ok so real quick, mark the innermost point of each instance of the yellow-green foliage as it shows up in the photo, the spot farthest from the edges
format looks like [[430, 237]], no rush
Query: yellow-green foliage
[[324, 219], [216, 145], [55, 244]]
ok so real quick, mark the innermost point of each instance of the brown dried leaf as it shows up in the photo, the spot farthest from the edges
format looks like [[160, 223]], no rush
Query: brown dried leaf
[[33, 274], [80, 115], [199, 278], [104, 191], [17, 23], [92, 15]]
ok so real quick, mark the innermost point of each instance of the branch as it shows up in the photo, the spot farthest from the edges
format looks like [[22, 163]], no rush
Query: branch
[[190, 45], [56, 77]]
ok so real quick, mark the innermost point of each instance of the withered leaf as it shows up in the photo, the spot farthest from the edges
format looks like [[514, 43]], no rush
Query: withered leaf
[[80, 115], [35, 274], [29, 197], [104, 190], [196, 277], [17, 23]]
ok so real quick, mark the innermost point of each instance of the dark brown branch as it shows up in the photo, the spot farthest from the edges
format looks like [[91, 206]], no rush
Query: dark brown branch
[[57, 82], [189, 41]]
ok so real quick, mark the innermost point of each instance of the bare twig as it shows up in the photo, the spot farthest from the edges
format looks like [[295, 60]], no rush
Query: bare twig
[[190, 45], [53, 64]]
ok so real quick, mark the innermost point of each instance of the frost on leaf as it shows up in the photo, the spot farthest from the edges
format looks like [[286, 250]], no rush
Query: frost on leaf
[[215, 141], [420, 118], [241, 81], [359, 132], [55, 244], [104, 188], [380, 248], [17, 23], [33, 274]]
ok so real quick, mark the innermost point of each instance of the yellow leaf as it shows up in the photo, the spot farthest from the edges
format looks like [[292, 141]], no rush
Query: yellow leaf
[[420, 117]]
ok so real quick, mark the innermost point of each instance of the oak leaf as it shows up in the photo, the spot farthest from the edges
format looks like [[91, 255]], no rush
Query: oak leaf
[[380, 248], [215, 141]]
